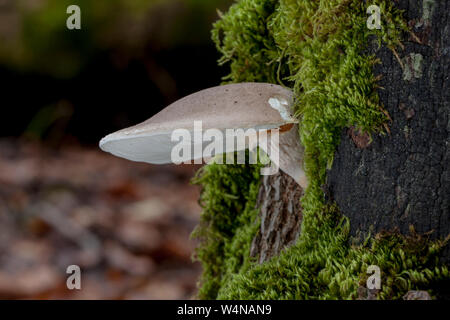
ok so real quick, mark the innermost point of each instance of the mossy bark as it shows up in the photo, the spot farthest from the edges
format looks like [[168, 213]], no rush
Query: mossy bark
[[362, 178], [393, 181], [402, 179]]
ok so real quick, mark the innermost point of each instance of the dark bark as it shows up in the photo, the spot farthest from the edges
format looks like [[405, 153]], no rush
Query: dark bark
[[403, 178], [399, 179]]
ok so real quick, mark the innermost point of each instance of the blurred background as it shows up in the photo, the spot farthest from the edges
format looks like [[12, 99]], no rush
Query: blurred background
[[62, 201]]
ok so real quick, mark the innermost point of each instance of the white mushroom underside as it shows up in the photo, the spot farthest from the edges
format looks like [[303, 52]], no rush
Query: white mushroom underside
[[156, 148], [287, 154]]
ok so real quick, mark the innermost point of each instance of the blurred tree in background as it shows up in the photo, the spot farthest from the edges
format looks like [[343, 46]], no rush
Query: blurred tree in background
[[135, 53], [34, 36]]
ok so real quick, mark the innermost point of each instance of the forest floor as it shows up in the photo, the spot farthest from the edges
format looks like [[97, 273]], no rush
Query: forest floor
[[125, 224]]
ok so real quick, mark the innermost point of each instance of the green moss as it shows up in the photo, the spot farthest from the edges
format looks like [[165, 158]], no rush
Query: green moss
[[317, 49], [324, 266], [228, 223]]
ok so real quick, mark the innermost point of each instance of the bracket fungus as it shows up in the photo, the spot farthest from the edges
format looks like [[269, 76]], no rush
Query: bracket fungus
[[256, 114]]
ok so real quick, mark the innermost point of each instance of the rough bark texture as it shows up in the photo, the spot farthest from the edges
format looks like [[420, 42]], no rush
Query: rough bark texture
[[396, 180], [403, 178], [280, 213]]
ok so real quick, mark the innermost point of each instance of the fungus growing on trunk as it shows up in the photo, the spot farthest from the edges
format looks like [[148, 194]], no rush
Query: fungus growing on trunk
[[256, 114]]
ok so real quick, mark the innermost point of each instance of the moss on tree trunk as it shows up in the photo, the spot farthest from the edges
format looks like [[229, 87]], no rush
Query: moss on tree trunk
[[384, 174], [403, 179]]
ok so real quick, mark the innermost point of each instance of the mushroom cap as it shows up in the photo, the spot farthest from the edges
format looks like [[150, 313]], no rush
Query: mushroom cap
[[232, 106]]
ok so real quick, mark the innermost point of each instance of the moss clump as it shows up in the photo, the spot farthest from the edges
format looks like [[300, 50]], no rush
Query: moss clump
[[228, 223], [316, 48], [324, 266]]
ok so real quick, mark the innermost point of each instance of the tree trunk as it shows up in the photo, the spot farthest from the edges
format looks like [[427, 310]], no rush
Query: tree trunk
[[393, 181], [280, 214]]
